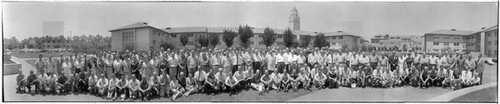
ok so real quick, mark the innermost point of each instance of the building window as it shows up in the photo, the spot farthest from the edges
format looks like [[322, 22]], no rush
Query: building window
[[489, 43], [455, 44], [392, 37], [154, 42], [174, 35], [456, 50], [436, 37], [436, 43], [446, 37], [397, 37], [436, 50], [341, 37], [280, 36], [446, 43], [333, 37]]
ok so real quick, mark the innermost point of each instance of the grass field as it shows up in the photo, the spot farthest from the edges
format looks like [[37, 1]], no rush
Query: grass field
[[44, 54]]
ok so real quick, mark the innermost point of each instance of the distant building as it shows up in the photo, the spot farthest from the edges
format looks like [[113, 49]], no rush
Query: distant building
[[339, 38], [410, 42], [137, 36], [484, 41], [294, 19]]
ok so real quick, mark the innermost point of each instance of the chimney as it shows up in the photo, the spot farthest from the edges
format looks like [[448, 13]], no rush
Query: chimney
[[453, 29]]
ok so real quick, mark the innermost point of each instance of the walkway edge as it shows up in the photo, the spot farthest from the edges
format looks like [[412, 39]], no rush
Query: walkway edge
[[455, 94]]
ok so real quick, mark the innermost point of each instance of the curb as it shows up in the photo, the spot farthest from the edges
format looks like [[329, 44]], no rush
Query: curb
[[455, 94]]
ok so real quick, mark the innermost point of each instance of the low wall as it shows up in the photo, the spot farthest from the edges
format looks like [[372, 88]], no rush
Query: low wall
[[9, 69], [455, 94]]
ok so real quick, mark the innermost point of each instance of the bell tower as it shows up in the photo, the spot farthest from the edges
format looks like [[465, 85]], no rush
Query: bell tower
[[294, 20]]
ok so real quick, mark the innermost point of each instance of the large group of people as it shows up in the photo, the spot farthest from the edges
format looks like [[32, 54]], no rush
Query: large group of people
[[135, 75]]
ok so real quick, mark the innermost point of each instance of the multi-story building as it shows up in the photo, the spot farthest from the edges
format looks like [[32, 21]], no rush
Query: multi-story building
[[447, 40], [137, 36], [410, 42], [339, 38], [51, 42], [141, 36], [484, 41]]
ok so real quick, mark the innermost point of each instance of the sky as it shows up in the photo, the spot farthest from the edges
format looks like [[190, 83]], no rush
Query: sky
[[25, 19]]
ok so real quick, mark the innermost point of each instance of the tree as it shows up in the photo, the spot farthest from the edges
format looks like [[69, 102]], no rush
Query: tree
[[245, 33], [228, 37], [344, 48], [203, 40], [320, 41], [184, 40], [214, 39], [269, 37], [166, 45], [304, 41], [288, 38]]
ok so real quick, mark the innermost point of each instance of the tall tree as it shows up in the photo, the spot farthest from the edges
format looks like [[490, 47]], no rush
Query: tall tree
[[228, 37], [214, 39], [203, 40], [304, 41], [288, 38], [269, 37], [320, 41], [245, 33], [184, 40]]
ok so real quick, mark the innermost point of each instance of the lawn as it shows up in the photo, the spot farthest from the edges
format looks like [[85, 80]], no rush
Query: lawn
[[44, 54]]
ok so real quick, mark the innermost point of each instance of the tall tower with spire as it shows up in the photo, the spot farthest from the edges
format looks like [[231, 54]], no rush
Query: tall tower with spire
[[294, 19]]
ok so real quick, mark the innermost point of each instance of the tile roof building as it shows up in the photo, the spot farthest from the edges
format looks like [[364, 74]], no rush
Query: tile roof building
[[141, 36], [484, 41]]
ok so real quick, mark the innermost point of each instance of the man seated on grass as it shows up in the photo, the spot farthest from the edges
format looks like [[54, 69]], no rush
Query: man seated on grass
[[62, 83], [199, 77], [134, 86], [112, 87], [145, 88], [190, 85], [123, 86], [219, 80], [231, 82], [92, 86], [466, 78], [32, 81], [164, 84], [425, 77], [266, 81], [319, 79], [276, 81], [476, 79], [21, 82], [102, 85], [294, 80], [285, 82], [304, 78], [154, 83], [376, 77], [210, 82]]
